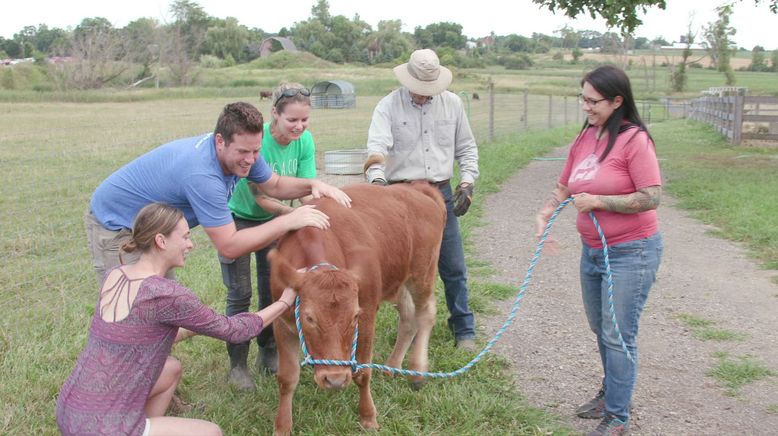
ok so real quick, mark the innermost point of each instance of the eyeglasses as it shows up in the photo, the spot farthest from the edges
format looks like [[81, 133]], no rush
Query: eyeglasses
[[590, 101], [291, 92]]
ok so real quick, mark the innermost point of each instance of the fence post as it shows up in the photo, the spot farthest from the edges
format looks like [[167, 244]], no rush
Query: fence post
[[491, 110], [564, 100], [740, 100], [550, 109], [526, 109]]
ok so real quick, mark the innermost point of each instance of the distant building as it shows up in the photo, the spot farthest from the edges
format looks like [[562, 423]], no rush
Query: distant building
[[682, 45]]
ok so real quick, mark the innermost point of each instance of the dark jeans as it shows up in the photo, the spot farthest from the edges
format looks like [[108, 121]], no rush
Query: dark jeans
[[453, 272], [236, 274]]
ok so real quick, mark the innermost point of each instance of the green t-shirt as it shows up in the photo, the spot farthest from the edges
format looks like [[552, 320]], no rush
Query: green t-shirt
[[297, 159]]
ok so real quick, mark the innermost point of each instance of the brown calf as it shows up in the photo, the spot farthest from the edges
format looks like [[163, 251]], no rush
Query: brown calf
[[265, 94], [384, 248]]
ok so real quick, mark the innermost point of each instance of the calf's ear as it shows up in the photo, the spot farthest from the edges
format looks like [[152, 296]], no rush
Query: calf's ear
[[282, 272]]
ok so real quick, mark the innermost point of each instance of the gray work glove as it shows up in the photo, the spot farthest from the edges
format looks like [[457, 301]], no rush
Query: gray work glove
[[379, 181], [463, 197]]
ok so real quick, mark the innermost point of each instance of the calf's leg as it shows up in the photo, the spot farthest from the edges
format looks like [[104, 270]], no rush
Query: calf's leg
[[406, 328], [367, 410], [288, 375]]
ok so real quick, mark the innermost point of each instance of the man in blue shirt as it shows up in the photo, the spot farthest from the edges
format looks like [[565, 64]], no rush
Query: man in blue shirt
[[197, 176]]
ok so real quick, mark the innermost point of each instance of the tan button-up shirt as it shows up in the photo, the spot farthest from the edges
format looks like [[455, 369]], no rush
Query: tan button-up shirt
[[421, 142]]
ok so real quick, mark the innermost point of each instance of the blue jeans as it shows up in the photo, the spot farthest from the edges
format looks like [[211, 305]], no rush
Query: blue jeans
[[453, 272], [236, 274], [634, 266]]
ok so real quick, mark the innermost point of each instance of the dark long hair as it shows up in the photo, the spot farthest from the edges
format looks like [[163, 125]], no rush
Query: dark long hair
[[611, 81]]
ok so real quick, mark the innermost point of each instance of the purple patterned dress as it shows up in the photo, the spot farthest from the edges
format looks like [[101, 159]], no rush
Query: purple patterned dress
[[107, 390]]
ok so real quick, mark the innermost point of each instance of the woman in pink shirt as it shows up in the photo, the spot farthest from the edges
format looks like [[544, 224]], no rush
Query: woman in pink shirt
[[612, 171], [125, 377]]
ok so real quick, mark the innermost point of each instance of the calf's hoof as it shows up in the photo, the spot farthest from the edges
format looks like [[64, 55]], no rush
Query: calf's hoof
[[416, 385], [370, 424]]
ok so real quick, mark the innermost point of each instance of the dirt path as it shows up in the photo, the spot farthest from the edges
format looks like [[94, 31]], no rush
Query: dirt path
[[554, 354]]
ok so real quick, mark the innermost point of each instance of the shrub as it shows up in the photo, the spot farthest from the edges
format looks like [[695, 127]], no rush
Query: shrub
[[516, 62]]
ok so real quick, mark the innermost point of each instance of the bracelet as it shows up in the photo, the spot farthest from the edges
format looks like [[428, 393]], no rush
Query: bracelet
[[284, 302]]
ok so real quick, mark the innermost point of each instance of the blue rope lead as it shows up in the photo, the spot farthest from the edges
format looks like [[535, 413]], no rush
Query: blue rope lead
[[356, 366]]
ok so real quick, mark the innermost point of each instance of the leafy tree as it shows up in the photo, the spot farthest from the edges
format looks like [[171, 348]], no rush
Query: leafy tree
[[52, 41], [185, 39], [621, 14], [659, 41], [542, 43], [611, 43], [570, 37], [590, 39], [642, 43], [679, 77], [577, 53], [758, 59], [774, 61], [717, 35], [226, 38], [336, 39], [387, 43], [515, 43], [12, 48], [443, 34], [143, 41], [99, 56]]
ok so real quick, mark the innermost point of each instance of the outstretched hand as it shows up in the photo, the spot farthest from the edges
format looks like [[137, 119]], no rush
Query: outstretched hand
[[288, 297], [306, 215], [320, 189]]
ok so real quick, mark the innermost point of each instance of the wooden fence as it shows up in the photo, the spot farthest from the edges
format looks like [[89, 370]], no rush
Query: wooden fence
[[738, 116]]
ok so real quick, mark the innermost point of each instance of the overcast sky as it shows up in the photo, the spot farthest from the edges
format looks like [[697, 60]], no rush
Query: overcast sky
[[755, 25]]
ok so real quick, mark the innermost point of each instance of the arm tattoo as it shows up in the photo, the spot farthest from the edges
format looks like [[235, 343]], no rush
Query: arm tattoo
[[640, 201]]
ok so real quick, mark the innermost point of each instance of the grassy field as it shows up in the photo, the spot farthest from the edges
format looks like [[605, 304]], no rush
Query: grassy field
[[53, 156], [54, 153]]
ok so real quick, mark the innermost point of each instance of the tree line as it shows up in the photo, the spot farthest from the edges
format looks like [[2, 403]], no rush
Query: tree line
[[98, 53]]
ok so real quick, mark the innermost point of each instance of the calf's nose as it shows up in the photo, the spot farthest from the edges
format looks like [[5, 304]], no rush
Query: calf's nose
[[335, 380]]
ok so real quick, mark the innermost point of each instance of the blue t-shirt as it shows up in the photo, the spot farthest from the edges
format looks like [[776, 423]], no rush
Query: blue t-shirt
[[185, 174]]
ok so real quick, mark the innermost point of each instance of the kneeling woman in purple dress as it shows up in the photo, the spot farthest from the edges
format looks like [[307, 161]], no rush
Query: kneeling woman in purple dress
[[125, 377]]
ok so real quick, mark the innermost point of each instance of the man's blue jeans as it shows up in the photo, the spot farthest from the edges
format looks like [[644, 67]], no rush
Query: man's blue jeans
[[453, 272], [236, 274], [634, 266]]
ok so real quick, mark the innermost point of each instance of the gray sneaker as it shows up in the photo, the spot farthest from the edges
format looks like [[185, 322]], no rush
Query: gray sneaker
[[267, 359], [241, 379], [594, 408], [611, 426]]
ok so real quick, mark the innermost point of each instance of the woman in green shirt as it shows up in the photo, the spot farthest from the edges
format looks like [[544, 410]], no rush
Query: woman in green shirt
[[288, 148]]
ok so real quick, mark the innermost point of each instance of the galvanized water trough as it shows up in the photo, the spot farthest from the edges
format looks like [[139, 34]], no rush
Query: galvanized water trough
[[344, 161]]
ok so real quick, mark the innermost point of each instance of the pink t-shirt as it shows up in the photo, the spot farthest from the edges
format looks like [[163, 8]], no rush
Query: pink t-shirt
[[631, 165]]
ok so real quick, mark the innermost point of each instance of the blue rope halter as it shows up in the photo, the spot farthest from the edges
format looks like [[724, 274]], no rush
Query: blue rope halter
[[356, 366]]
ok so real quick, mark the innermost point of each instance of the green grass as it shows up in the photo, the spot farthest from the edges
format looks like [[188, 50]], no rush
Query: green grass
[[727, 186], [56, 148], [772, 408], [53, 155], [735, 372], [704, 329]]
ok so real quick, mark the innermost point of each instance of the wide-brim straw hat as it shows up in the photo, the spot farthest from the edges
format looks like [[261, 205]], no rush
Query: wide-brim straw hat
[[423, 74]]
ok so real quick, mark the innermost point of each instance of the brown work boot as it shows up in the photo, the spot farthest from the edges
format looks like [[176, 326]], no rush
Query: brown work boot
[[594, 408]]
